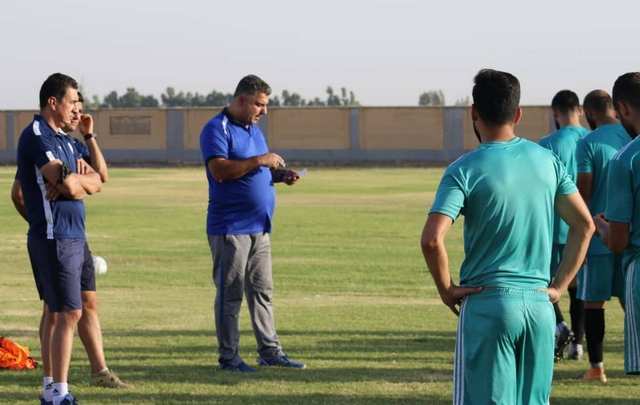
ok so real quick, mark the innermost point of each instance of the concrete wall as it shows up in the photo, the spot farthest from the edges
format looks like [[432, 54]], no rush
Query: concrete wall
[[331, 135]]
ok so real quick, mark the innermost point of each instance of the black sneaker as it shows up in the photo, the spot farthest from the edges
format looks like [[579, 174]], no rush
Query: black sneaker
[[563, 338], [280, 361], [242, 367]]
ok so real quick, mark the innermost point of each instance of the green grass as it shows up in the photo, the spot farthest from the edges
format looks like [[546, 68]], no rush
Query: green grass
[[353, 299]]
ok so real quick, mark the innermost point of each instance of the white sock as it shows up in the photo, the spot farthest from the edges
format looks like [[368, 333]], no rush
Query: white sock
[[47, 389], [104, 370], [59, 391]]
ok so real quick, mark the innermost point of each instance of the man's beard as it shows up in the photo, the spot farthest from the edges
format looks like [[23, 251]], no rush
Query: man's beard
[[475, 131]]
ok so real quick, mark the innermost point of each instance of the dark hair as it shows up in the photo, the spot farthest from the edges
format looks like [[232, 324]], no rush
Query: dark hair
[[56, 86], [627, 89], [80, 98], [598, 101], [496, 96], [565, 101], [250, 85]]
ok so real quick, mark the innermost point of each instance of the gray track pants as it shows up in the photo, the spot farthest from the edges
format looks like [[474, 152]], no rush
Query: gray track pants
[[242, 263]]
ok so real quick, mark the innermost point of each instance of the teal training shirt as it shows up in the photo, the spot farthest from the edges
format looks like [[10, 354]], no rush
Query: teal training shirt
[[564, 143], [624, 185], [594, 153], [506, 192]]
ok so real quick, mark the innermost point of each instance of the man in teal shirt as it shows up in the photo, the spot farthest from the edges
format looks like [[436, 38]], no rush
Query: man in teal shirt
[[620, 226], [563, 142], [507, 190], [602, 276]]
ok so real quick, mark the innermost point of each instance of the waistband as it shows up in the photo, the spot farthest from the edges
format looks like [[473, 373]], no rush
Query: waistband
[[512, 292]]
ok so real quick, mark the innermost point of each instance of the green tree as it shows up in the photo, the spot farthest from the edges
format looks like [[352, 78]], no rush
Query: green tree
[[432, 98]]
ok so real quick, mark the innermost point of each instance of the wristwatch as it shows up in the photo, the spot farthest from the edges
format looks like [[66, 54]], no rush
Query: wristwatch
[[88, 136], [64, 173]]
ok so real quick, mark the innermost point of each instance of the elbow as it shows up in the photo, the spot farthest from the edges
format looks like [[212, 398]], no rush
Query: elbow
[[430, 244], [104, 176]]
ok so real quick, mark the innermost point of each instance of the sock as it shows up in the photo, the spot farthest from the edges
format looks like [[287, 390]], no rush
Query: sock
[[576, 310], [594, 331], [47, 389], [559, 317], [59, 391], [46, 381], [104, 370]]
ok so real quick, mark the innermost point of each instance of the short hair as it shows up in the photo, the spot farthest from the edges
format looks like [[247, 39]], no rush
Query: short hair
[[80, 98], [56, 86], [598, 101], [496, 96], [250, 85], [565, 101], [627, 89]]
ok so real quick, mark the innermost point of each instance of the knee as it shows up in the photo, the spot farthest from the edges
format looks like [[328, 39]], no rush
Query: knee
[[70, 316]]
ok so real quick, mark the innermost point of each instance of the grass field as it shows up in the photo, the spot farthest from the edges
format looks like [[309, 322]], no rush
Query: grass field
[[353, 298]]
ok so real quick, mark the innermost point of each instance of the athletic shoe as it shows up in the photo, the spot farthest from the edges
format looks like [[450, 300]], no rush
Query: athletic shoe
[[564, 336], [575, 352], [68, 400], [43, 402], [280, 361], [107, 379], [239, 368], [595, 374]]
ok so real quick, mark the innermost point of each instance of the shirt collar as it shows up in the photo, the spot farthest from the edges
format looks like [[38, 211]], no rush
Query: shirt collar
[[232, 120]]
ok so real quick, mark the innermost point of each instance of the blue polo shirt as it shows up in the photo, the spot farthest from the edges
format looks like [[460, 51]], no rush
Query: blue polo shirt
[[242, 206], [59, 219]]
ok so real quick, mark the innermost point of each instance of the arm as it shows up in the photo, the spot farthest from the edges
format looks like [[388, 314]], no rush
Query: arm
[[90, 180], [585, 185], [69, 187], [575, 213], [226, 169], [97, 160], [614, 234], [435, 254], [18, 199]]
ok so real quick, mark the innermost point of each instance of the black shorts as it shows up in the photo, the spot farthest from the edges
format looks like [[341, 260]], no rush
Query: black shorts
[[57, 267]]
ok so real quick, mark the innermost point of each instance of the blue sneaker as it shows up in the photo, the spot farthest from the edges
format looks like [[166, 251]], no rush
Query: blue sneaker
[[280, 361], [68, 400], [239, 368]]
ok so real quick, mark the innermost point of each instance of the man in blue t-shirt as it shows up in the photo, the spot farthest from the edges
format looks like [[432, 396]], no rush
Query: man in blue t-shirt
[[53, 189], [507, 190], [564, 142], [241, 172], [602, 276], [619, 227], [89, 328]]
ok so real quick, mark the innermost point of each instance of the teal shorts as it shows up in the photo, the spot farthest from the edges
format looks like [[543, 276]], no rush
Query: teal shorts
[[504, 347], [632, 320], [601, 278]]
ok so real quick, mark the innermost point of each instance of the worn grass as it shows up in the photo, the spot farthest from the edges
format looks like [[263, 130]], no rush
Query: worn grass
[[353, 299]]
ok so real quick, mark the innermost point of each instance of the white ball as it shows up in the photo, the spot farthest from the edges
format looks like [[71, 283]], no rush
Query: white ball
[[100, 265]]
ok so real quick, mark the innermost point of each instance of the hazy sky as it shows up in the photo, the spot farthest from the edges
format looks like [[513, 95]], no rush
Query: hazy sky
[[386, 51]]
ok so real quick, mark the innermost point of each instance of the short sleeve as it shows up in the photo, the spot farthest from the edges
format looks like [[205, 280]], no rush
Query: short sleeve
[[450, 196], [584, 157], [81, 150], [565, 185], [619, 207], [214, 141], [36, 149]]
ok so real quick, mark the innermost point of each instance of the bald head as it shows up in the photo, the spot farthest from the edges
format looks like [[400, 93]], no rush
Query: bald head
[[598, 108]]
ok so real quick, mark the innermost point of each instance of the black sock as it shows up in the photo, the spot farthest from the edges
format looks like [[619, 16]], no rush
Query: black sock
[[594, 331], [576, 309], [559, 317]]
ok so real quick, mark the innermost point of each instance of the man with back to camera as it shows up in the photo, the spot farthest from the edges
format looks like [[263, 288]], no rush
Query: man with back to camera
[[602, 276], [89, 324], [619, 226], [564, 142], [241, 172], [507, 190], [48, 165]]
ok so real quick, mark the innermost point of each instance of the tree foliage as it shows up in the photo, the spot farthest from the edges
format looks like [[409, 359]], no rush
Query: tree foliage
[[432, 98]]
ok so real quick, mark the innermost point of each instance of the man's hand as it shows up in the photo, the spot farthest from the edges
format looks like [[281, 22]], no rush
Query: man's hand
[[52, 192], [86, 124], [602, 226], [271, 160], [290, 178], [554, 294], [83, 167], [452, 296]]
